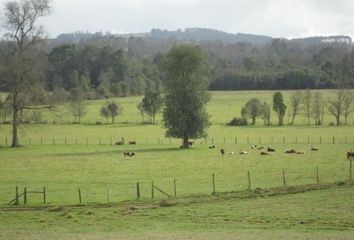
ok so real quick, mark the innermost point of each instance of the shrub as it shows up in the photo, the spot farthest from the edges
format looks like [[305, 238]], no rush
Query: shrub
[[238, 121]]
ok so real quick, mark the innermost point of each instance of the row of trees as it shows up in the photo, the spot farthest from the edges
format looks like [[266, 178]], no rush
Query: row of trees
[[310, 104]]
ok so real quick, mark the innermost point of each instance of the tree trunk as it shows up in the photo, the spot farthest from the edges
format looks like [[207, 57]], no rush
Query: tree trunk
[[253, 120], [185, 141], [293, 119], [337, 120], [112, 120], [281, 119], [15, 121]]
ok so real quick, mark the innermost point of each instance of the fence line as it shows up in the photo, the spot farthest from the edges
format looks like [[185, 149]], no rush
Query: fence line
[[158, 190], [167, 141]]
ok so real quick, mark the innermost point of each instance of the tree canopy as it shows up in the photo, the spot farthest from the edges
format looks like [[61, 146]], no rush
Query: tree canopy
[[186, 93]]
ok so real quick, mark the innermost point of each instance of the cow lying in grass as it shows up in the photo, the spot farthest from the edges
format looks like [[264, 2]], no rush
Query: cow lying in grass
[[132, 142], [128, 154]]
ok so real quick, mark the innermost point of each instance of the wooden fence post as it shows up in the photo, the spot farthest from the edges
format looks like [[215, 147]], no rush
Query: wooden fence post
[[5, 141], [137, 191], [350, 168], [317, 176], [25, 195], [320, 140], [284, 180], [41, 141], [175, 187], [249, 180], [17, 196], [296, 139], [333, 139], [44, 196], [235, 140], [80, 199], [259, 140], [152, 189]]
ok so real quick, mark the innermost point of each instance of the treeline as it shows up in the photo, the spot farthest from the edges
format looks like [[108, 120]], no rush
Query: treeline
[[307, 103], [106, 66]]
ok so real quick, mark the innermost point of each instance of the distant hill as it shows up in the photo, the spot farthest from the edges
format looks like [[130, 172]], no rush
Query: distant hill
[[329, 39], [202, 35], [205, 34]]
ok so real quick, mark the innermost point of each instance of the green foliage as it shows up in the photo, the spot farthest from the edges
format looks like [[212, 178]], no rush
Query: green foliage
[[238, 121], [252, 109], [152, 103], [266, 113], [279, 107], [186, 93]]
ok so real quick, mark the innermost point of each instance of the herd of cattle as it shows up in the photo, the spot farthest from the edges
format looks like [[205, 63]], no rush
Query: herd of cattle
[[263, 150]]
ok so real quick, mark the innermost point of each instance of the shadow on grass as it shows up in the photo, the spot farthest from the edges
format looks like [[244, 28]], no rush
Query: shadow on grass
[[120, 151]]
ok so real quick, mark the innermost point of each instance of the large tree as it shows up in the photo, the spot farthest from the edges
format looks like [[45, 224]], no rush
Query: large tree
[[24, 71], [186, 93], [336, 104], [295, 101], [279, 107], [253, 109], [152, 103]]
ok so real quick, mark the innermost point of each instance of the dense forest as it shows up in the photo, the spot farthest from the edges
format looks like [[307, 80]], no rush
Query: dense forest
[[107, 65]]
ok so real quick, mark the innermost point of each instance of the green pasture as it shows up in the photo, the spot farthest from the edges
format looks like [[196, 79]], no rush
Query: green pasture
[[65, 157], [321, 214], [222, 108]]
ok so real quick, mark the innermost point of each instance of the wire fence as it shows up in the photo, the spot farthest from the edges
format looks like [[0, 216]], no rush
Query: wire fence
[[164, 141], [123, 190]]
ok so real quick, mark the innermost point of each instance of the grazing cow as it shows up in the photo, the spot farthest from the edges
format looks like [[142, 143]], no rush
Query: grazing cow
[[300, 152], [264, 153], [314, 149], [350, 155], [222, 151], [290, 151], [212, 146], [132, 142], [270, 149], [128, 154], [243, 152]]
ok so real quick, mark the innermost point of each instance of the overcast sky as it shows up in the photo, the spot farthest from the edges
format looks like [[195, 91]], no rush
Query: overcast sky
[[276, 18]]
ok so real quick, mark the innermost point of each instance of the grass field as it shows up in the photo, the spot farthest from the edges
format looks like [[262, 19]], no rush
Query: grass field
[[294, 216], [65, 157]]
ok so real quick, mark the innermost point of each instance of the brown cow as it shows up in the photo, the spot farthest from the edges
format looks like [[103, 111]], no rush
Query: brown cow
[[264, 153], [350, 155], [290, 151], [222, 151], [300, 152], [132, 142]]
